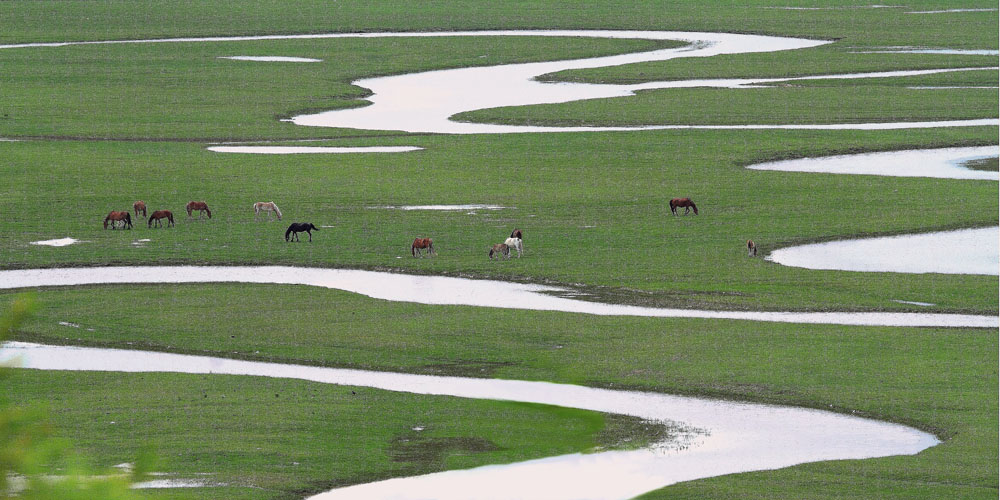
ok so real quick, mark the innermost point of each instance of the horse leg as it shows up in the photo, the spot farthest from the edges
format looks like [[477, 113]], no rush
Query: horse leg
[[310, 236]]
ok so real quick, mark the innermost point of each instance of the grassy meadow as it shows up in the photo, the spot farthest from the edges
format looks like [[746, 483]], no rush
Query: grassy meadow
[[96, 127]]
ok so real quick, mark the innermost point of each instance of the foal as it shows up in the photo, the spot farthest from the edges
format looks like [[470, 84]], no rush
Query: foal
[[500, 249]]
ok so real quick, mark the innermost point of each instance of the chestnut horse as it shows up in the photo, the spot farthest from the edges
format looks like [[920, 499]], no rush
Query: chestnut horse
[[298, 227], [114, 217], [682, 202], [200, 206], [500, 249], [422, 243], [161, 214], [139, 206]]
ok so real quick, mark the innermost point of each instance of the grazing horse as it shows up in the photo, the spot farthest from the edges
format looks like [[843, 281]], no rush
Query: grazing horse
[[298, 227], [265, 206], [422, 243], [200, 206], [161, 214], [751, 249], [516, 244], [682, 202], [139, 206], [114, 217], [500, 249]]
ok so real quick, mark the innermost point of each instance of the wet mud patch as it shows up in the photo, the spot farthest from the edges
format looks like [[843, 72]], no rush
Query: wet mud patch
[[422, 452], [984, 164], [625, 432]]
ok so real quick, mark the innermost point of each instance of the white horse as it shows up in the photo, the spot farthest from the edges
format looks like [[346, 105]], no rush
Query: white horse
[[516, 244], [268, 207]]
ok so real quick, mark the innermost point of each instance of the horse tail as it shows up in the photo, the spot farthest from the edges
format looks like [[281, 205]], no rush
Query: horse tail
[[106, 221], [276, 210], [170, 217], [128, 219], [413, 248], [491, 252], [149, 222], [256, 208]]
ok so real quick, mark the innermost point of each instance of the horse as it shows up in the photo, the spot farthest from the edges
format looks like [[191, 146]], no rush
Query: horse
[[500, 249], [139, 206], [265, 206], [516, 244], [298, 227], [682, 202], [114, 217], [161, 214], [422, 243], [200, 206], [751, 249]]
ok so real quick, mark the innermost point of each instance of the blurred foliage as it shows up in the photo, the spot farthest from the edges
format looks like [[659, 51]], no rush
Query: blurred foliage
[[36, 465]]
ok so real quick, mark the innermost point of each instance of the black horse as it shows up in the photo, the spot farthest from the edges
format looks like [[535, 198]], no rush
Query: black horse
[[298, 227]]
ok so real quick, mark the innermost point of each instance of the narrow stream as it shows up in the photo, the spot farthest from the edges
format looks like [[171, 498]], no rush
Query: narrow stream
[[442, 290]]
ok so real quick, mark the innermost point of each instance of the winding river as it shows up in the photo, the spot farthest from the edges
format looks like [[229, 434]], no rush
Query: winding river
[[724, 437], [720, 437]]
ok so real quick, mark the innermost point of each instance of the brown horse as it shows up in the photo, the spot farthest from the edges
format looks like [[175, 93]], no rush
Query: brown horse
[[161, 214], [500, 249], [139, 206], [682, 202], [200, 206], [115, 217], [751, 248], [422, 243]]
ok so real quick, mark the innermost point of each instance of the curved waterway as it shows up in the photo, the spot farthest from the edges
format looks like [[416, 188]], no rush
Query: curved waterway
[[719, 437], [441, 290], [965, 251], [424, 102], [944, 163]]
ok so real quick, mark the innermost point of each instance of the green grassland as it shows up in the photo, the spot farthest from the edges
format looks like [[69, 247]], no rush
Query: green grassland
[[792, 104], [557, 185], [108, 124], [184, 91], [274, 438], [974, 78], [940, 380]]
